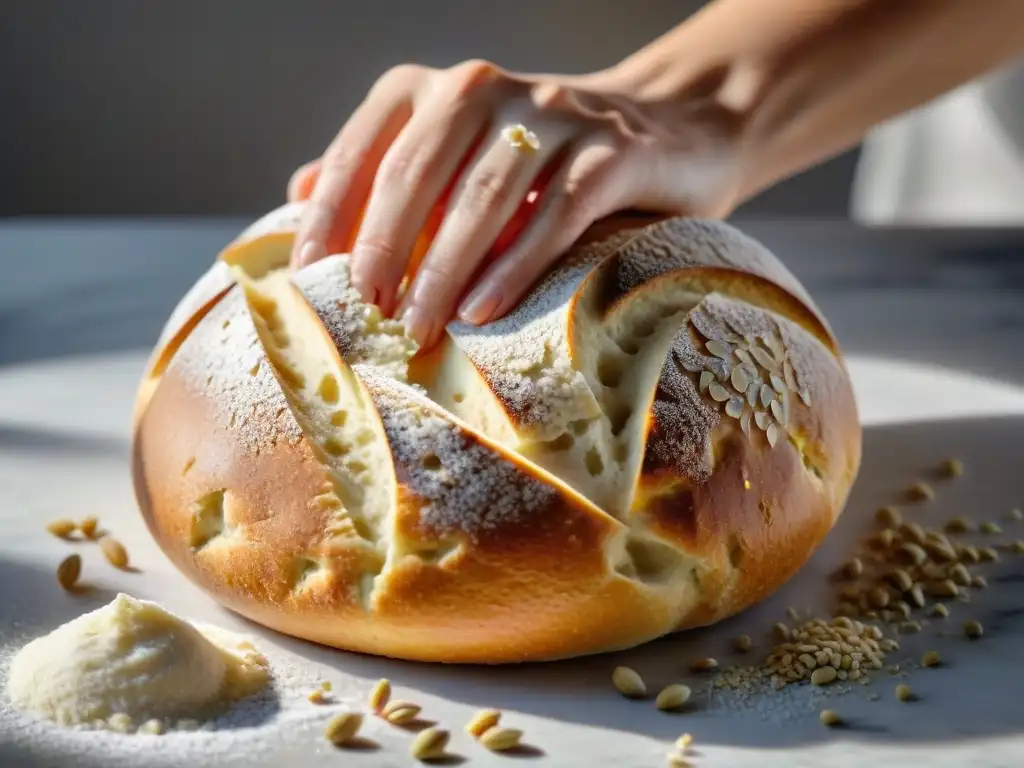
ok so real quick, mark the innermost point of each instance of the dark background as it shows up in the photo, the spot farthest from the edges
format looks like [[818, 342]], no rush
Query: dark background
[[206, 106]]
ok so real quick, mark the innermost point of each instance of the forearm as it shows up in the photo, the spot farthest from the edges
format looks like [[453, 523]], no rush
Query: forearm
[[808, 78]]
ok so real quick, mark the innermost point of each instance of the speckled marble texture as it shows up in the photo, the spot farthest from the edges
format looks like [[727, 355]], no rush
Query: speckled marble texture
[[933, 323]]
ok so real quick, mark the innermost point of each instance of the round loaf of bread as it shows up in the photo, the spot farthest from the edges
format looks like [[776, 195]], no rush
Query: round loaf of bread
[[659, 436]]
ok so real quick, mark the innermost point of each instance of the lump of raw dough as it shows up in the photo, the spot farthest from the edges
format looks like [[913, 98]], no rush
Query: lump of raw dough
[[134, 660]]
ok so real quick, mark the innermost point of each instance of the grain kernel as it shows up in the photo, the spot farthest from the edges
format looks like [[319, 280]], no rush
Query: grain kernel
[[742, 643], [960, 575], [68, 571], [114, 551], [979, 582], [878, 597], [939, 609], [672, 697], [915, 596], [930, 659], [911, 554], [685, 741], [343, 728], [900, 579], [903, 692], [482, 722], [913, 532], [829, 718], [677, 760], [704, 665], [780, 632], [889, 517], [380, 695], [957, 525], [629, 683], [498, 739], [990, 527], [970, 554], [946, 588], [1016, 547], [400, 712], [823, 676], [1015, 514], [429, 744], [973, 629], [318, 696], [952, 468], [62, 528], [89, 527], [920, 491]]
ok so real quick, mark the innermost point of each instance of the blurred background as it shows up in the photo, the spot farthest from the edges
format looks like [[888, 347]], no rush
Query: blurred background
[[199, 107], [124, 120]]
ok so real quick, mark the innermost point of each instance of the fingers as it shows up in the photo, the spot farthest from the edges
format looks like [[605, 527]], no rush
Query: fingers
[[485, 199], [412, 177], [592, 183], [347, 171], [300, 185]]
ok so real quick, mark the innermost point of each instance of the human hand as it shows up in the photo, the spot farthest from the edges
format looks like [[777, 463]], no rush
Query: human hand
[[429, 157]]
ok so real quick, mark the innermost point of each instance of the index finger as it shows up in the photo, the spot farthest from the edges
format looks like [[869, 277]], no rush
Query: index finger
[[346, 175]]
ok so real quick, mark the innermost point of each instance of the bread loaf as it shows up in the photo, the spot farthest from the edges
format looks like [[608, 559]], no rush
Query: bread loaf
[[659, 436]]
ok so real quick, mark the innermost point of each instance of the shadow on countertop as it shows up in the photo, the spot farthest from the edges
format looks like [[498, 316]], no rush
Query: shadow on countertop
[[974, 693]]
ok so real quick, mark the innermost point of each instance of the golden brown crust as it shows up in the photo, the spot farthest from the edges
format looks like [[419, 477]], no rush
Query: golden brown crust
[[484, 556]]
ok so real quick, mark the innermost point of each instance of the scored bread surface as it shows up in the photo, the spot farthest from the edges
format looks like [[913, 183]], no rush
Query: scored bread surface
[[659, 436]]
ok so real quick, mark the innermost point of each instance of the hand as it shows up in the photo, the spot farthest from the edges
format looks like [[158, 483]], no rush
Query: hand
[[429, 155]]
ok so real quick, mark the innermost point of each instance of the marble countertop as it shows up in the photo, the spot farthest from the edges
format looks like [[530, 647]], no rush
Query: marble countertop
[[933, 323]]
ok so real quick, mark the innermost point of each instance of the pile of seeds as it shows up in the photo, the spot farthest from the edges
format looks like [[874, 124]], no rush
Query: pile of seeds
[[902, 566], [819, 651]]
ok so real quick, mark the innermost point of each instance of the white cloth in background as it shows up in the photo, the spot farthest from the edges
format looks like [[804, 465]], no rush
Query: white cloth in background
[[958, 161]]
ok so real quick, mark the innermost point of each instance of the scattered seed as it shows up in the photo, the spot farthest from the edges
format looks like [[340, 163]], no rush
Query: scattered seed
[[829, 718], [115, 552], [327, 686], [903, 692], [704, 665], [930, 659], [989, 554], [911, 554], [677, 760], [793, 613], [380, 695], [916, 596], [780, 632], [957, 525], [889, 517], [939, 609], [400, 712], [319, 696], [952, 468], [482, 722], [152, 727], [945, 588], [672, 697], [429, 744], [1017, 547], [742, 643], [343, 728], [910, 627], [89, 526], [685, 741], [979, 582], [120, 723], [973, 629], [900, 579], [920, 491], [990, 527], [960, 575], [498, 739], [1015, 514], [68, 571], [62, 528], [629, 683], [823, 676], [969, 554], [853, 569]]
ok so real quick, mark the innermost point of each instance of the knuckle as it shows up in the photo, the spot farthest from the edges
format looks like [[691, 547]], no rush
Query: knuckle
[[486, 190], [402, 73], [469, 76], [374, 251], [551, 96]]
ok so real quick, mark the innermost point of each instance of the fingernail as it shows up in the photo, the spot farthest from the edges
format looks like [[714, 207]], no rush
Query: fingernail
[[479, 307], [310, 252], [419, 325]]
